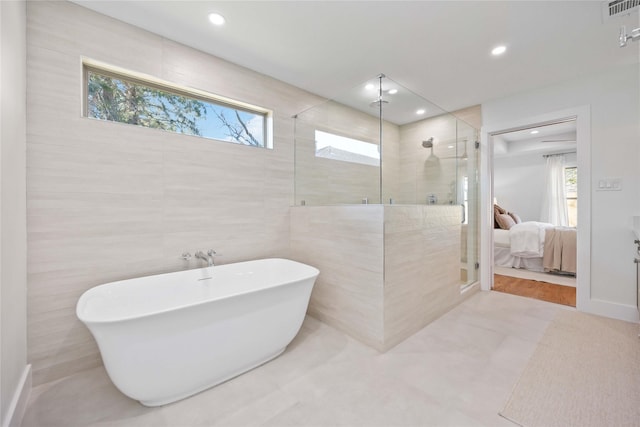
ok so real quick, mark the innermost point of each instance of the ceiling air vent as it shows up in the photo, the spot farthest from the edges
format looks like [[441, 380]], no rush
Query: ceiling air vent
[[611, 9]]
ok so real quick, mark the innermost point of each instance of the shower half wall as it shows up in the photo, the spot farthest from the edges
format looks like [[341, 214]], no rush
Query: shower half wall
[[392, 226], [386, 270]]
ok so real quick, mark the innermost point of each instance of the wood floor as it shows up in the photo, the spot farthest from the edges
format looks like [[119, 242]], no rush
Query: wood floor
[[565, 295]]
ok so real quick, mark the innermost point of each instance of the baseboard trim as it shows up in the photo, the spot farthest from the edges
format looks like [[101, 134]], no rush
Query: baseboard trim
[[19, 401], [628, 313]]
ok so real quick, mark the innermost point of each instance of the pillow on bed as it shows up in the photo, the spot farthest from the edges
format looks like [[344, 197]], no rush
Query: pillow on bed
[[505, 221], [515, 217], [497, 210]]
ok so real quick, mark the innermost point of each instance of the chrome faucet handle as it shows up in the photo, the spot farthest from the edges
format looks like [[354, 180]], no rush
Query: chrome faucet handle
[[208, 258], [211, 252], [186, 256]]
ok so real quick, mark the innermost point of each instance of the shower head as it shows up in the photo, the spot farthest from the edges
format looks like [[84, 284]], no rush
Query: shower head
[[432, 159]]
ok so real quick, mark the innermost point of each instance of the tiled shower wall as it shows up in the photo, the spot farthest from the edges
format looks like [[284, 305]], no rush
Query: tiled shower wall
[[320, 181], [419, 178], [109, 201], [422, 248], [346, 243], [385, 271]]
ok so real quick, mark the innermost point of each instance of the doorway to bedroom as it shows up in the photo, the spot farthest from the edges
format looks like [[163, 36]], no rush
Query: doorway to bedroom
[[535, 208]]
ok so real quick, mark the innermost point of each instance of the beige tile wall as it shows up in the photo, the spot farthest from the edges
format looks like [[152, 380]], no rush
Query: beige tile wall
[[472, 116], [391, 162], [108, 201], [321, 181], [346, 244], [385, 271], [407, 177], [422, 267], [14, 373], [420, 178]]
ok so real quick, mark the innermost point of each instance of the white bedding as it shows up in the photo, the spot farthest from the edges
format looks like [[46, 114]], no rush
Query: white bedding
[[527, 239], [501, 238], [502, 258], [521, 246]]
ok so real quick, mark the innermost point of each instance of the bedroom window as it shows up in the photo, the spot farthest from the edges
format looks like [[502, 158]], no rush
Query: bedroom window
[[127, 97], [571, 190], [336, 147]]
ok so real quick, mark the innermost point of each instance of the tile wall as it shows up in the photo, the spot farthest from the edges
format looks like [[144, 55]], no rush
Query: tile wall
[[422, 249], [321, 181], [346, 243], [422, 175], [385, 271], [109, 201]]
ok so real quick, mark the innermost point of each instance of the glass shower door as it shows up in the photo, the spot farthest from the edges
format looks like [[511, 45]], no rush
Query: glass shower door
[[468, 198]]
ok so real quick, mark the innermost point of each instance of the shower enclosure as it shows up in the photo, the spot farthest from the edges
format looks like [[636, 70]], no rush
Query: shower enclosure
[[386, 201]]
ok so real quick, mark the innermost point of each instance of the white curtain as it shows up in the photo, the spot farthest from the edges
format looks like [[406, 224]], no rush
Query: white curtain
[[554, 202]]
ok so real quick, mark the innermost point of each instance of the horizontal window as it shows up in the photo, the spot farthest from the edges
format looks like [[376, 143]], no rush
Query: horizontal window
[[123, 98], [345, 149]]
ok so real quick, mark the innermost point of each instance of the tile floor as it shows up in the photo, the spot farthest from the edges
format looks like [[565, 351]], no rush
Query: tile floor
[[457, 371]]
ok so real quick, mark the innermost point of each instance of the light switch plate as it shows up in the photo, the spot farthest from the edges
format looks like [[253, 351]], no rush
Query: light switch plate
[[609, 184]]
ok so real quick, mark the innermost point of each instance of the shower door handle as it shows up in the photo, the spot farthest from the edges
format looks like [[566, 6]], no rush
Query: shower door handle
[[464, 216]]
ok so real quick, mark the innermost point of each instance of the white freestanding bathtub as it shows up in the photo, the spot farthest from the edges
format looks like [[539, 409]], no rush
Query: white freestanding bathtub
[[166, 337]]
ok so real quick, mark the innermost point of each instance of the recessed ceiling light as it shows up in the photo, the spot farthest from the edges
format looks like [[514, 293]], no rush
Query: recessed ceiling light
[[533, 132], [392, 91], [370, 86], [498, 50], [216, 19], [450, 146], [420, 111]]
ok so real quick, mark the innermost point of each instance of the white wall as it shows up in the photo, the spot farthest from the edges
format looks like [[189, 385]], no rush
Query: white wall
[[615, 111], [13, 288], [518, 183]]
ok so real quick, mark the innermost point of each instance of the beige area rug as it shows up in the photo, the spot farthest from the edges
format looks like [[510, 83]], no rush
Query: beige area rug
[[584, 372]]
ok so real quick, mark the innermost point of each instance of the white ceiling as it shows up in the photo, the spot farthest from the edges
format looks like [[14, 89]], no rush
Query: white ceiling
[[438, 49], [548, 139]]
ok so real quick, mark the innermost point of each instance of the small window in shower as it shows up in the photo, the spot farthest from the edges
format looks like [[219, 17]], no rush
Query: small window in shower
[[336, 147]]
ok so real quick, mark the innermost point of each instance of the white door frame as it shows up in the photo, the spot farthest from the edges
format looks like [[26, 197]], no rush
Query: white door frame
[[582, 115]]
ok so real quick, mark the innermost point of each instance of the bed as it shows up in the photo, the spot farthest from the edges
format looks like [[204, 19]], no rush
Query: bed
[[536, 246]]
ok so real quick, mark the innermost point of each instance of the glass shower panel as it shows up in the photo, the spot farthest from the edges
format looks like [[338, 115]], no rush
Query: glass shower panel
[[380, 143], [337, 150], [430, 156], [468, 198], [411, 134]]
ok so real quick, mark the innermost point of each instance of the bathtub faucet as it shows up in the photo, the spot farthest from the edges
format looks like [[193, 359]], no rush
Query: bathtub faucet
[[207, 257]]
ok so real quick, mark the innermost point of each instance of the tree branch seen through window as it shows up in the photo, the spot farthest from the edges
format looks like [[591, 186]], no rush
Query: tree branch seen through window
[[121, 100]]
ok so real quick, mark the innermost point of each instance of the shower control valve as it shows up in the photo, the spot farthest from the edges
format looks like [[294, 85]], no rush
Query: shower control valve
[[186, 256]]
